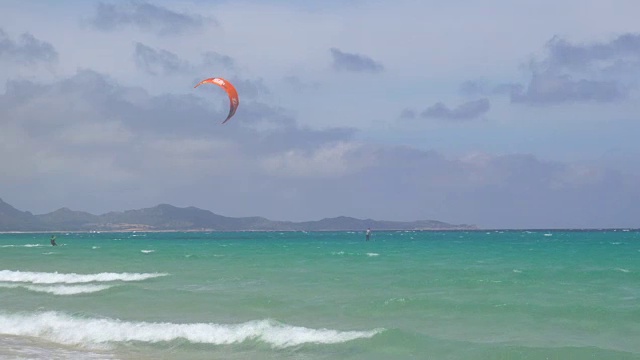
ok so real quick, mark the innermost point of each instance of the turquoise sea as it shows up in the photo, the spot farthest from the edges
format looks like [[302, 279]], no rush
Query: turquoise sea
[[321, 295]]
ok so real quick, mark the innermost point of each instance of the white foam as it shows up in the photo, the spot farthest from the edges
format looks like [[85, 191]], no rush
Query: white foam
[[71, 278], [60, 289], [64, 329], [395, 300], [373, 254], [623, 270], [147, 251]]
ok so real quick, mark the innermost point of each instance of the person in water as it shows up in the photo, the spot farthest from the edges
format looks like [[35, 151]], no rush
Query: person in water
[[368, 234], [53, 241]]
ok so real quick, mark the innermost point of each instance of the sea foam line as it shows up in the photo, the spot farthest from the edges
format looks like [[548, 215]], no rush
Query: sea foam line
[[59, 289], [68, 330], [71, 278]]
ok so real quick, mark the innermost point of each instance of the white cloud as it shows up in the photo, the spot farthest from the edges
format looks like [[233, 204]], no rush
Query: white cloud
[[331, 160]]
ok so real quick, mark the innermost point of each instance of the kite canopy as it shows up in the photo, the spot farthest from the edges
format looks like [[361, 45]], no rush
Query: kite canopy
[[234, 101]]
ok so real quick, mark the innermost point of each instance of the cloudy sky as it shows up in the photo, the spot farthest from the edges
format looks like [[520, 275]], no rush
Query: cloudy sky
[[496, 113]]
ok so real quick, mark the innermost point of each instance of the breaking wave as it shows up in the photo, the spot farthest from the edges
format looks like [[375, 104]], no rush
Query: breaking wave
[[71, 278], [64, 329]]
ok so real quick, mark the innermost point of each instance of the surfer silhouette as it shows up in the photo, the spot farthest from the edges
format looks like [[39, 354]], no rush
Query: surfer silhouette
[[53, 241], [368, 234]]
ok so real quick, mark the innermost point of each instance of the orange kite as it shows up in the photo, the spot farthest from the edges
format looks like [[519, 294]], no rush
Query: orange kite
[[234, 101]]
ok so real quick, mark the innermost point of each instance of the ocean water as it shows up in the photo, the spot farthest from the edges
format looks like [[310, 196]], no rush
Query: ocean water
[[321, 295]]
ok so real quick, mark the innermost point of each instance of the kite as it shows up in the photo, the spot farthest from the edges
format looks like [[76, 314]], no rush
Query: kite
[[234, 101]]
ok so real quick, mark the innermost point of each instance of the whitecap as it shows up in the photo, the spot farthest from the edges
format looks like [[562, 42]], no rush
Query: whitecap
[[623, 270], [372, 254], [70, 330], [71, 278], [147, 251], [395, 300]]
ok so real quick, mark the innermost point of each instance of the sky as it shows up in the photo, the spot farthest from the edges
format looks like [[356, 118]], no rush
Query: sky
[[495, 113]]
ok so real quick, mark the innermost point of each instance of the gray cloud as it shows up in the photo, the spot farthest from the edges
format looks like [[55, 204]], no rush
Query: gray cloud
[[147, 17], [159, 61], [212, 58], [88, 140], [408, 114], [343, 61], [563, 54], [252, 88], [26, 49], [549, 89], [91, 144], [89, 101], [569, 73], [594, 72], [465, 111]]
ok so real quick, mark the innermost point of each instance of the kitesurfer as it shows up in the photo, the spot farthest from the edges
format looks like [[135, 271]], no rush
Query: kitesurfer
[[53, 240], [368, 234]]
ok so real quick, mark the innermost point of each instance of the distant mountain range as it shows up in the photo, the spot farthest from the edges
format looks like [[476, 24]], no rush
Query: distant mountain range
[[170, 218]]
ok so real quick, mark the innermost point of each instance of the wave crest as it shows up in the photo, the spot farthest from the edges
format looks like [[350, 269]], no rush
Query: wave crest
[[68, 330]]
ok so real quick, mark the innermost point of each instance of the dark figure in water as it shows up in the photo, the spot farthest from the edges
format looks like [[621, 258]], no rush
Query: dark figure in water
[[53, 241], [368, 234]]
